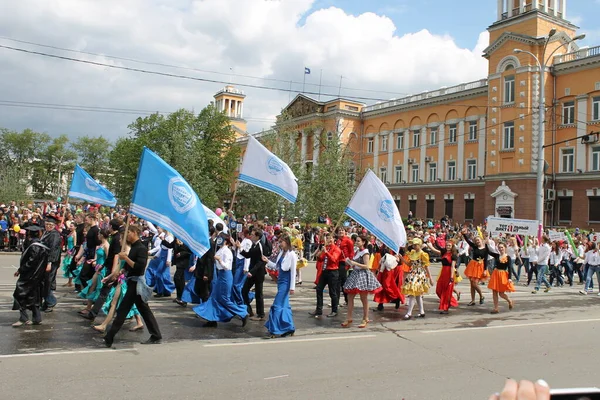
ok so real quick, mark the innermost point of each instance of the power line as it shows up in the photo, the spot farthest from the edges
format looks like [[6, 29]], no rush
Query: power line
[[190, 68], [149, 72]]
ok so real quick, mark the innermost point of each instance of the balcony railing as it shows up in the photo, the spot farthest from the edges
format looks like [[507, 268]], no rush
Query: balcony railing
[[577, 55], [427, 95]]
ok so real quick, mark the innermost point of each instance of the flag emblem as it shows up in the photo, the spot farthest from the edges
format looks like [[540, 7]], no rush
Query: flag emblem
[[181, 195], [386, 210], [274, 166], [91, 184], [306, 70]]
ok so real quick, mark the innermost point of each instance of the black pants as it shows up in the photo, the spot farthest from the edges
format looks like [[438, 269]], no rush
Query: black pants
[[556, 274], [36, 314], [104, 292], [87, 273], [343, 275], [131, 298], [579, 269], [328, 278], [257, 282], [202, 288], [179, 281]]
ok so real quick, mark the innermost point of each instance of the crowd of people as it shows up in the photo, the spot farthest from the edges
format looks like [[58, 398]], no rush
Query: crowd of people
[[106, 263]]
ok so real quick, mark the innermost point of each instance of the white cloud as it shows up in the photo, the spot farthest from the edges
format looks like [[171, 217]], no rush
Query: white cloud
[[254, 37]]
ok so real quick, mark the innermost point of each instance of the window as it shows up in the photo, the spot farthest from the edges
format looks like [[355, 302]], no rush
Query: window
[[383, 175], [594, 209], [329, 136], [412, 207], [370, 145], [568, 113], [351, 173], [433, 136], [415, 173], [351, 108], [416, 139], [509, 89], [449, 208], [473, 130], [471, 169], [384, 140], [400, 141], [568, 160], [430, 209], [397, 202], [508, 139], [469, 209], [451, 175], [596, 158], [596, 109], [398, 174], [432, 172], [452, 133], [564, 209]]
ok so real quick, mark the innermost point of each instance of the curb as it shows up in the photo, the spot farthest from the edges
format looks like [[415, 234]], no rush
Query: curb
[[10, 253]]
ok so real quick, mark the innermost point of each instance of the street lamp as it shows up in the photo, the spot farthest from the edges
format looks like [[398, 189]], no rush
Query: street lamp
[[539, 193]]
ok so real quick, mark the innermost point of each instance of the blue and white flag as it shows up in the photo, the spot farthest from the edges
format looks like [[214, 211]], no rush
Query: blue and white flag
[[264, 169], [373, 207], [210, 214], [306, 71], [163, 197], [84, 187]]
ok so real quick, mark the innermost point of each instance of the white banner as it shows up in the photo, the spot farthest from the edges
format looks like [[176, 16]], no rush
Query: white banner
[[555, 236], [594, 237], [501, 227], [373, 207]]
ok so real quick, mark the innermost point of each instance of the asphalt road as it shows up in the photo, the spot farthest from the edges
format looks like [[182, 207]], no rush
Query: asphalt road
[[465, 355]]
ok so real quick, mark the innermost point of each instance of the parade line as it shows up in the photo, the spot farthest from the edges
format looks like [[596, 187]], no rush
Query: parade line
[[276, 341], [478, 328]]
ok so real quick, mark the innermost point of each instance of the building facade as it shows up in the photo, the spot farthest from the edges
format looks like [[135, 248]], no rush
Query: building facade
[[471, 150]]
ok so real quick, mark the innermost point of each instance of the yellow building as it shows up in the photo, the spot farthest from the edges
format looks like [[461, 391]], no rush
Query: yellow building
[[470, 150]]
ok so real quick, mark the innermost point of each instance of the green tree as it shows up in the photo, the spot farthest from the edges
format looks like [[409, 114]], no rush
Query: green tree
[[93, 154], [19, 148], [54, 158], [13, 181]]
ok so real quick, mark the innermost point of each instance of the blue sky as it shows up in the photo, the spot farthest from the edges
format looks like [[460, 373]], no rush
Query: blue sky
[[452, 18]]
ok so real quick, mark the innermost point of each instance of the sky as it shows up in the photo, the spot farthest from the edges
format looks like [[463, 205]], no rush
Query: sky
[[381, 49]]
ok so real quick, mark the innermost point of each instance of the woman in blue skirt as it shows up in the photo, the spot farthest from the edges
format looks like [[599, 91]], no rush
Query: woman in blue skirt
[[281, 321], [220, 307], [158, 273]]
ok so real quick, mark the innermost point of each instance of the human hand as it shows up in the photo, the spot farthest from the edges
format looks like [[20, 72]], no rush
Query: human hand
[[265, 259], [16, 273], [291, 292], [218, 258], [192, 269], [122, 255], [205, 279], [249, 275], [524, 390], [49, 268]]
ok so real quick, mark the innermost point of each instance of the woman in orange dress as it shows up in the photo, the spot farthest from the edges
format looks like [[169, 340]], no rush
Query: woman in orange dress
[[500, 282], [476, 270]]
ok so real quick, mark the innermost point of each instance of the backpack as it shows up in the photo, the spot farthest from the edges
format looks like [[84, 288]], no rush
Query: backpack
[[267, 248]]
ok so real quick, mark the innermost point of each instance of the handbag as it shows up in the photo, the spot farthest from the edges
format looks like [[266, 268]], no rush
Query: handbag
[[143, 290]]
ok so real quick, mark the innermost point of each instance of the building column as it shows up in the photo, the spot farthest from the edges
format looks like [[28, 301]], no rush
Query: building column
[[460, 158], [376, 154], [441, 147], [534, 4], [500, 9], [521, 6], [316, 147], [555, 7], [303, 141], [510, 7], [546, 5], [241, 109], [423, 152], [481, 137], [390, 160], [563, 8], [405, 167], [580, 151]]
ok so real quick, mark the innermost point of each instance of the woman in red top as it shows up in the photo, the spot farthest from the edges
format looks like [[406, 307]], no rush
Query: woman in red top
[[445, 283]]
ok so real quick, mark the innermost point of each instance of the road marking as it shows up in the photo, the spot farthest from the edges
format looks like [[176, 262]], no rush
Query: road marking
[[276, 377], [513, 326], [61, 353], [289, 341]]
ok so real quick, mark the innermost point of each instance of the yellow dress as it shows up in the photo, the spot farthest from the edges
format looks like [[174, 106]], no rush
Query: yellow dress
[[416, 282], [298, 246]]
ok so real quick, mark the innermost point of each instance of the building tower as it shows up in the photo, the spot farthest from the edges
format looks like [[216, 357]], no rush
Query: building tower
[[231, 101]]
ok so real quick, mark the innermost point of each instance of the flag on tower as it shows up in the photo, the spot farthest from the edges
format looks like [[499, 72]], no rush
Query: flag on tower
[[264, 169], [373, 207], [84, 187], [163, 197], [306, 71]]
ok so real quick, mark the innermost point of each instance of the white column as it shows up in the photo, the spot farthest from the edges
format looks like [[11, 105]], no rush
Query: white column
[[316, 147], [303, 146], [580, 152], [546, 5], [555, 7], [481, 147], [241, 109], [522, 6], [510, 7], [441, 147], [563, 8], [534, 4], [423, 153], [390, 160], [405, 165], [376, 154], [500, 9], [460, 158]]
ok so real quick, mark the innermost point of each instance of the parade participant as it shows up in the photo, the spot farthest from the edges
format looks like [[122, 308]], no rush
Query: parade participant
[[77, 249], [361, 281], [513, 251], [445, 283], [219, 307], [66, 264], [256, 275], [463, 253], [181, 259], [204, 271], [329, 276], [554, 261], [500, 281], [391, 278], [240, 274], [346, 245], [92, 242], [33, 266], [51, 239], [92, 290], [532, 251], [418, 281], [543, 254], [158, 273], [476, 270], [592, 260], [135, 264], [281, 321]]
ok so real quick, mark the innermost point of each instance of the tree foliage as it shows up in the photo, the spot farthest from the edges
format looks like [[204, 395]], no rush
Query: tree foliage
[[93, 154]]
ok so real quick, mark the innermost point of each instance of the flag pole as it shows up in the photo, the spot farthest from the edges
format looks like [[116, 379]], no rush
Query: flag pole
[[234, 193], [124, 238], [340, 88], [320, 77], [303, 81]]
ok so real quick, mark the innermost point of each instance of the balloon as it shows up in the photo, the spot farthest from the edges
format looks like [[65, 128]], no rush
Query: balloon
[[218, 211], [17, 228]]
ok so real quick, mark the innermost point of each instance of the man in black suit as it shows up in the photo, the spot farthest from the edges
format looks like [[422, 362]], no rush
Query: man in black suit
[[256, 275]]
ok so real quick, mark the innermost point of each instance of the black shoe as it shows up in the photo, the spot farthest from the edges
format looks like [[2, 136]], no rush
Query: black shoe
[[244, 321], [332, 315], [107, 342], [180, 302], [157, 295], [421, 316], [316, 313], [49, 309], [379, 307], [87, 316], [152, 340], [397, 304], [291, 333], [299, 283], [210, 324]]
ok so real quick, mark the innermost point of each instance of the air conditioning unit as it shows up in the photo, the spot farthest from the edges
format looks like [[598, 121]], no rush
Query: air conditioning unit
[[591, 138], [548, 206], [411, 160], [550, 194], [428, 159]]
